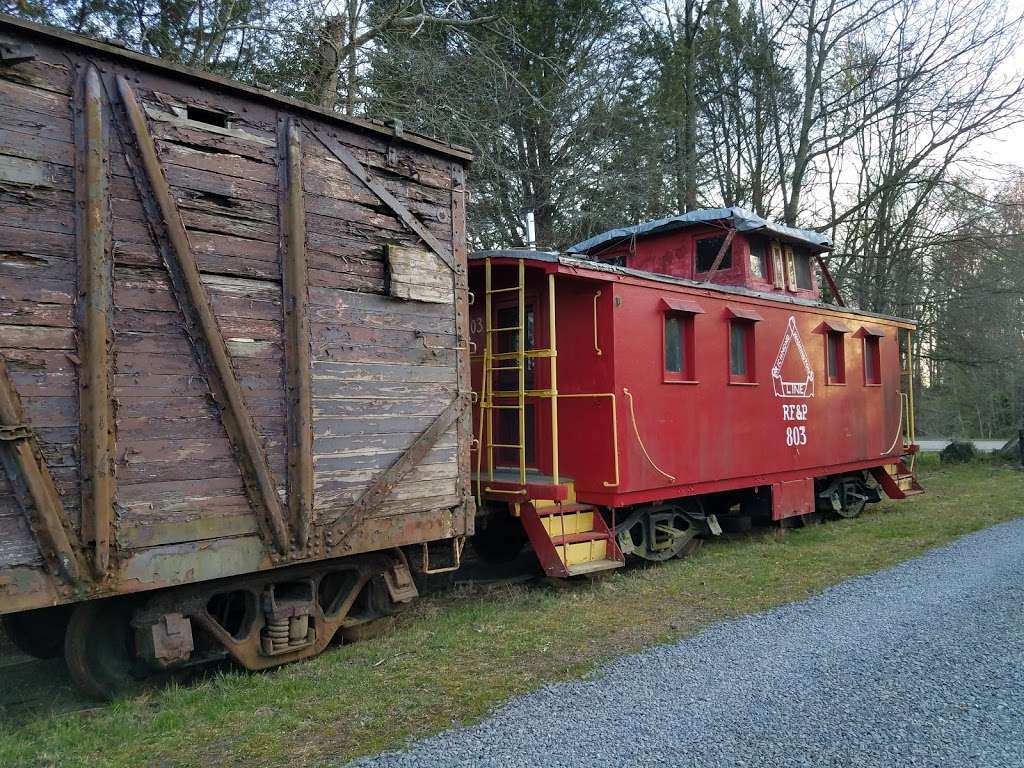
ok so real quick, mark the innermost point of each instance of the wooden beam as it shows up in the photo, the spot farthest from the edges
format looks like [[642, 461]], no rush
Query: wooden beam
[[200, 321], [828, 279], [384, 484], [336, 148], [465, 427], [724, 249], [94, 309], [33, 485], [297, 341]]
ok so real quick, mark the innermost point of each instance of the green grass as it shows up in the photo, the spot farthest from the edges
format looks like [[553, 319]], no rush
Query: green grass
[[452, 659]]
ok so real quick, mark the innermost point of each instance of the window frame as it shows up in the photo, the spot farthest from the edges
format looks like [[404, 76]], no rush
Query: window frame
[[763, 260], [685, 374], [802, 256], [790, 267], [727, 259], [837, 336], [871, 348], [750, 377], [686, 312], [778, 265]]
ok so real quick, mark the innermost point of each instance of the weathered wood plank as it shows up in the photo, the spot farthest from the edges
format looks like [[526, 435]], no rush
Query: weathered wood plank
[[34, 486], [370, 445], [326, 371], [389, 483], [418, 275], [399, 210], [202, 325]]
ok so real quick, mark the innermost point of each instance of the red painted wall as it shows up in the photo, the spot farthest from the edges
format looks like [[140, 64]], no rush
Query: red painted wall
[[673, 254], [709, 435]]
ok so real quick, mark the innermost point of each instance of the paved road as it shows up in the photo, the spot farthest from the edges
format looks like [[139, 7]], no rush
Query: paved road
[[920, 665]]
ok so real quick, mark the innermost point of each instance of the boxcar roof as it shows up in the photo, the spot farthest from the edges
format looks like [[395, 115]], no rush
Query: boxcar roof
[[574, 262], [61, 37], [742, 219]]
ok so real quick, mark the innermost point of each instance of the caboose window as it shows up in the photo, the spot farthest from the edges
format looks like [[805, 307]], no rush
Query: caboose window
[[835, 357], [802, 267], [675, 344], [872, 361], [758, 261], [741, 351], [707, 251], [679, 346]]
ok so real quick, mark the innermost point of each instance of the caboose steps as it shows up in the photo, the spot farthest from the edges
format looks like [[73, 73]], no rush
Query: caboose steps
[[570, 539], [897, 480]]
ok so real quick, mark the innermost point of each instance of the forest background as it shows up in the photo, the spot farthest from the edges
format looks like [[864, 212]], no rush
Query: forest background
[[894, 126]]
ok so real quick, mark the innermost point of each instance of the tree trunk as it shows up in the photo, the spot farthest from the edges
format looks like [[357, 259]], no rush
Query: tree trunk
[[325, 80]]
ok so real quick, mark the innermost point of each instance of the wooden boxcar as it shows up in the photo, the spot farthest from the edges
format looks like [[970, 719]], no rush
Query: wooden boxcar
[[233, 379], [663, 378]]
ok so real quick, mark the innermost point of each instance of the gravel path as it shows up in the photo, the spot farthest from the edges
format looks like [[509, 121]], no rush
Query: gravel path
[[920, 665]]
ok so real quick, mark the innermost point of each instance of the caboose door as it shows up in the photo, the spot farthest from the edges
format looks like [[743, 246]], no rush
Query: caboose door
[[507, 421]]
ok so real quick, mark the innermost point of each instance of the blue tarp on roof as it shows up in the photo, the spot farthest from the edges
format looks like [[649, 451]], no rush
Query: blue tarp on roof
[[744, 220]]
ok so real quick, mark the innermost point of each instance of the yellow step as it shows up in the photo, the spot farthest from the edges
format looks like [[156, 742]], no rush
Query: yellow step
[[540, 504], [557, 525], [583, 552], [594, 566]]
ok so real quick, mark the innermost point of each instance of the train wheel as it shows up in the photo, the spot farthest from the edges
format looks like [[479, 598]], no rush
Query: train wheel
[[690, 547], [100, 649], [39, 633], [662, 532], [852, 509]]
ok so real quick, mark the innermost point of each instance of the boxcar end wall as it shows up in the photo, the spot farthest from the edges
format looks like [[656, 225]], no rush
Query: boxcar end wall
[[231, 328]]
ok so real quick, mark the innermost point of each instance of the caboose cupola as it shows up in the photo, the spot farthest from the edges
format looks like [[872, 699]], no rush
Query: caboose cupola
[[728, 246]]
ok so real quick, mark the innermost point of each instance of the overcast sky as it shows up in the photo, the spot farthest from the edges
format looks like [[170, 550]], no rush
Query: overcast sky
[[1008, 147]]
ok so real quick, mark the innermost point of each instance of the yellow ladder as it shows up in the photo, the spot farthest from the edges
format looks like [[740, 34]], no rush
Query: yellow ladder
[[492, 399]]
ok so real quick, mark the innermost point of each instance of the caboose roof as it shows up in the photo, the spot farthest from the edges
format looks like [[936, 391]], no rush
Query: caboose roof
[[742, 219], [574, 263]]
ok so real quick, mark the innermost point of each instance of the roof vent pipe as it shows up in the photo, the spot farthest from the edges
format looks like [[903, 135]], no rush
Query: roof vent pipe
[[531, 229]]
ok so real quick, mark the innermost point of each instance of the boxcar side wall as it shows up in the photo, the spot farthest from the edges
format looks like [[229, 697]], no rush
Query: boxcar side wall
[[210, 366]]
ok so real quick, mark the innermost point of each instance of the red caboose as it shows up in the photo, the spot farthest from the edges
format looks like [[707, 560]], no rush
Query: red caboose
[[633, 391]]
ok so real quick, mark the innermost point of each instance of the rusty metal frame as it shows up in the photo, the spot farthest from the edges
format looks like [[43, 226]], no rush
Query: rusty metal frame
[[34, 487], [193, 601], [297, 340], [336, 148], [384, 483], [200, 321], [95, 311]]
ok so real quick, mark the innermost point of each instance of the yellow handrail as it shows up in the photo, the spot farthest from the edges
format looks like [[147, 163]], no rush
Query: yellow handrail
[[636, 431], [521, 348], [553, 384]]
